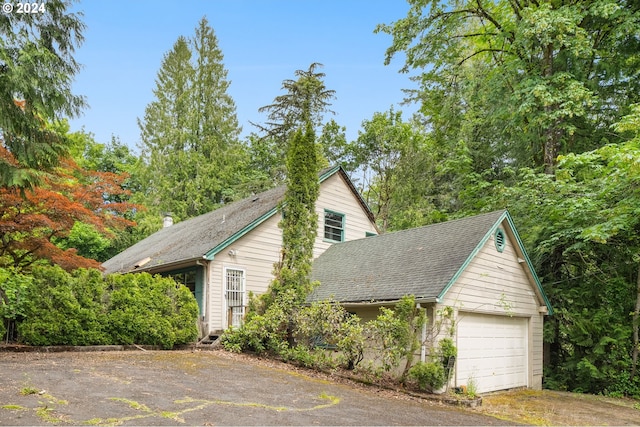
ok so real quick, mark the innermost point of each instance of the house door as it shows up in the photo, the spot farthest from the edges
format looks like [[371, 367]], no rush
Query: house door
[[234, 295]]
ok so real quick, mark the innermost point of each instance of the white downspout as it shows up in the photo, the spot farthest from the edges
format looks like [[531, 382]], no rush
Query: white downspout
[[423, 347]]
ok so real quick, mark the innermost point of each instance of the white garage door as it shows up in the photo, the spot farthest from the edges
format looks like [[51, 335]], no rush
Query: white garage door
[[492, 351]]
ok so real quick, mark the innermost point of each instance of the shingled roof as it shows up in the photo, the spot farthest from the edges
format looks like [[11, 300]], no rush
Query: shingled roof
[[192, 239], [421, 261], [204, 235]]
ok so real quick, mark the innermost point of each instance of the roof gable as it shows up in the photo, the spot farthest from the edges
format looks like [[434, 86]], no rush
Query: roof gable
[[205, 235], [424, 262]]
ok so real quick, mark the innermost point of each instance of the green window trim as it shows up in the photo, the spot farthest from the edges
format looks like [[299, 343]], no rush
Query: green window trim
[[500, 239], [333, 226]]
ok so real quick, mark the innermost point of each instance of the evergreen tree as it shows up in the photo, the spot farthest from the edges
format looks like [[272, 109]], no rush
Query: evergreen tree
[[305, 101], [190, 131], [36, 72]]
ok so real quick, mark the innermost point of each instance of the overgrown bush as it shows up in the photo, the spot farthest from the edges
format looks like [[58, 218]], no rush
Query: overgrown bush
[[393, 334], [263, 332], [84, 308], [64, 308], [152, 310], [327, 325], [13, 299], [429, 376]]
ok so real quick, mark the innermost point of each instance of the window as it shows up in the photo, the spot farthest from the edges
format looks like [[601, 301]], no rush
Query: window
[[500, 240], [333, 226], [234, 284], [187, 278]]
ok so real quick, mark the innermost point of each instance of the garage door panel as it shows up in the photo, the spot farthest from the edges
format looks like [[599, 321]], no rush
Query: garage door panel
[[492, 350]]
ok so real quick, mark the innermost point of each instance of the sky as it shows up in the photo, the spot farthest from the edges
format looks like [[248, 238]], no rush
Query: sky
[[263, 43]]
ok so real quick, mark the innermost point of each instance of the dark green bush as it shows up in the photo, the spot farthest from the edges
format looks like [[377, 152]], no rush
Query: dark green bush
[[13, 299], [153, 310], [84, 308], [429, 376], [64, 309]]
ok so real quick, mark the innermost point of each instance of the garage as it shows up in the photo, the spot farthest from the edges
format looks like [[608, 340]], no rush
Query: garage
[[492, 351]]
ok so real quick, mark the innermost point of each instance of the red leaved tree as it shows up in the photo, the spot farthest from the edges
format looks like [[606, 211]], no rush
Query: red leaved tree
[[31, 220]]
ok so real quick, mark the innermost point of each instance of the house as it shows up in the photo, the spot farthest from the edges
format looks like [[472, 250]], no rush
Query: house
[[477, 266], [225, 254]]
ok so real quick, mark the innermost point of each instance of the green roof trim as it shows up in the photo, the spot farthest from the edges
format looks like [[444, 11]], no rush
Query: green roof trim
[[479, 246], [210, 255], [530, 264], [212, 252]]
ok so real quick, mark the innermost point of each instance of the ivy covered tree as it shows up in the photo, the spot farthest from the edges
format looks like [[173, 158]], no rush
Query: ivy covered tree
[[37, 68], [192, 156], [299, 218]]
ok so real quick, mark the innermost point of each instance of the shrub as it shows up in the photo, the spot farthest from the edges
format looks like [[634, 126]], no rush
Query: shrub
[[64, 308], [151, 310], [327, 325], [429, 375], [13, 299], [84, 308]]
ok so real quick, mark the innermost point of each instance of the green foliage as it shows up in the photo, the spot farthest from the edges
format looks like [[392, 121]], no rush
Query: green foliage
[[305, 102], [83, 308], [550, 59], [153, 310], [393, 334], [430, 376], [264, 332], [192, 160], [64, 309], [446, 349], [13, 300], [87, 240], [36, 75], [327, 325]]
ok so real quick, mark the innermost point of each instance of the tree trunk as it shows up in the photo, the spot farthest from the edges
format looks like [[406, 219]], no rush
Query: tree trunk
[[636, 316]]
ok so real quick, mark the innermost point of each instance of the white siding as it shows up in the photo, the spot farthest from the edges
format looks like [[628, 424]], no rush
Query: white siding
[[496, 283], [336, 196], [257, 251]]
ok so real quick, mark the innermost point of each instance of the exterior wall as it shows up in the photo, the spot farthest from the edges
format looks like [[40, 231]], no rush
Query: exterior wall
[[336, 196], [257, 251], [496, 283]]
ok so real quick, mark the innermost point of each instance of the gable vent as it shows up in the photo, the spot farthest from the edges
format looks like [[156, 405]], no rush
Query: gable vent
[[500, 240]]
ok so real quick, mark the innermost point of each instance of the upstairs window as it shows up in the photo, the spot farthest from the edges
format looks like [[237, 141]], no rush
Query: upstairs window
[[333, 226]]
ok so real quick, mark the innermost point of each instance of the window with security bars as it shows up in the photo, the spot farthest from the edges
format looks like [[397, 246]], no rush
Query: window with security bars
[[234, 283], [333, 226]]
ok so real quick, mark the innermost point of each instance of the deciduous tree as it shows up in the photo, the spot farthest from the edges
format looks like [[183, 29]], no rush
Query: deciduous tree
[[545, 77]]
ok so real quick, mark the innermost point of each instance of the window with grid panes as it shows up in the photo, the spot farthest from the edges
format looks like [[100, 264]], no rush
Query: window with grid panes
[[333, 226]]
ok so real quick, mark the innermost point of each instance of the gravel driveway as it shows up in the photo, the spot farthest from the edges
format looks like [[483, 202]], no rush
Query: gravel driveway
[[195, 388]]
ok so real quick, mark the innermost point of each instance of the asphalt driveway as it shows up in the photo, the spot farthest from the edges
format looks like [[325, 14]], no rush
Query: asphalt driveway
[[195, 388]]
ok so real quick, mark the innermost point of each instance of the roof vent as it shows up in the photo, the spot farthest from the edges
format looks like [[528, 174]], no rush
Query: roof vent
[[500, 240]]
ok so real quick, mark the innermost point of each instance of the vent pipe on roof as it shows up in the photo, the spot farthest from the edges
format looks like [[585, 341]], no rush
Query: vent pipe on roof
[[167, 220]]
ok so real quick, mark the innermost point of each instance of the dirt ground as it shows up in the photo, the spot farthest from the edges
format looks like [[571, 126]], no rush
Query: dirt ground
[[557, 408], [219, 388]]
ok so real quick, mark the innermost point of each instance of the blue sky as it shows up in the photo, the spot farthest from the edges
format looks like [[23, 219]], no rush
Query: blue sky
[[263, 42]]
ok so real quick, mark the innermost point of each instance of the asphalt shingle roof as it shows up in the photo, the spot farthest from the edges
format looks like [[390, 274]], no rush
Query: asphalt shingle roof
[[193, 238], [420, 261]]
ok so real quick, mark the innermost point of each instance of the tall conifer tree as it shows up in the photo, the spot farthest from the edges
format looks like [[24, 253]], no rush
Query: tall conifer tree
[[190, 131]]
